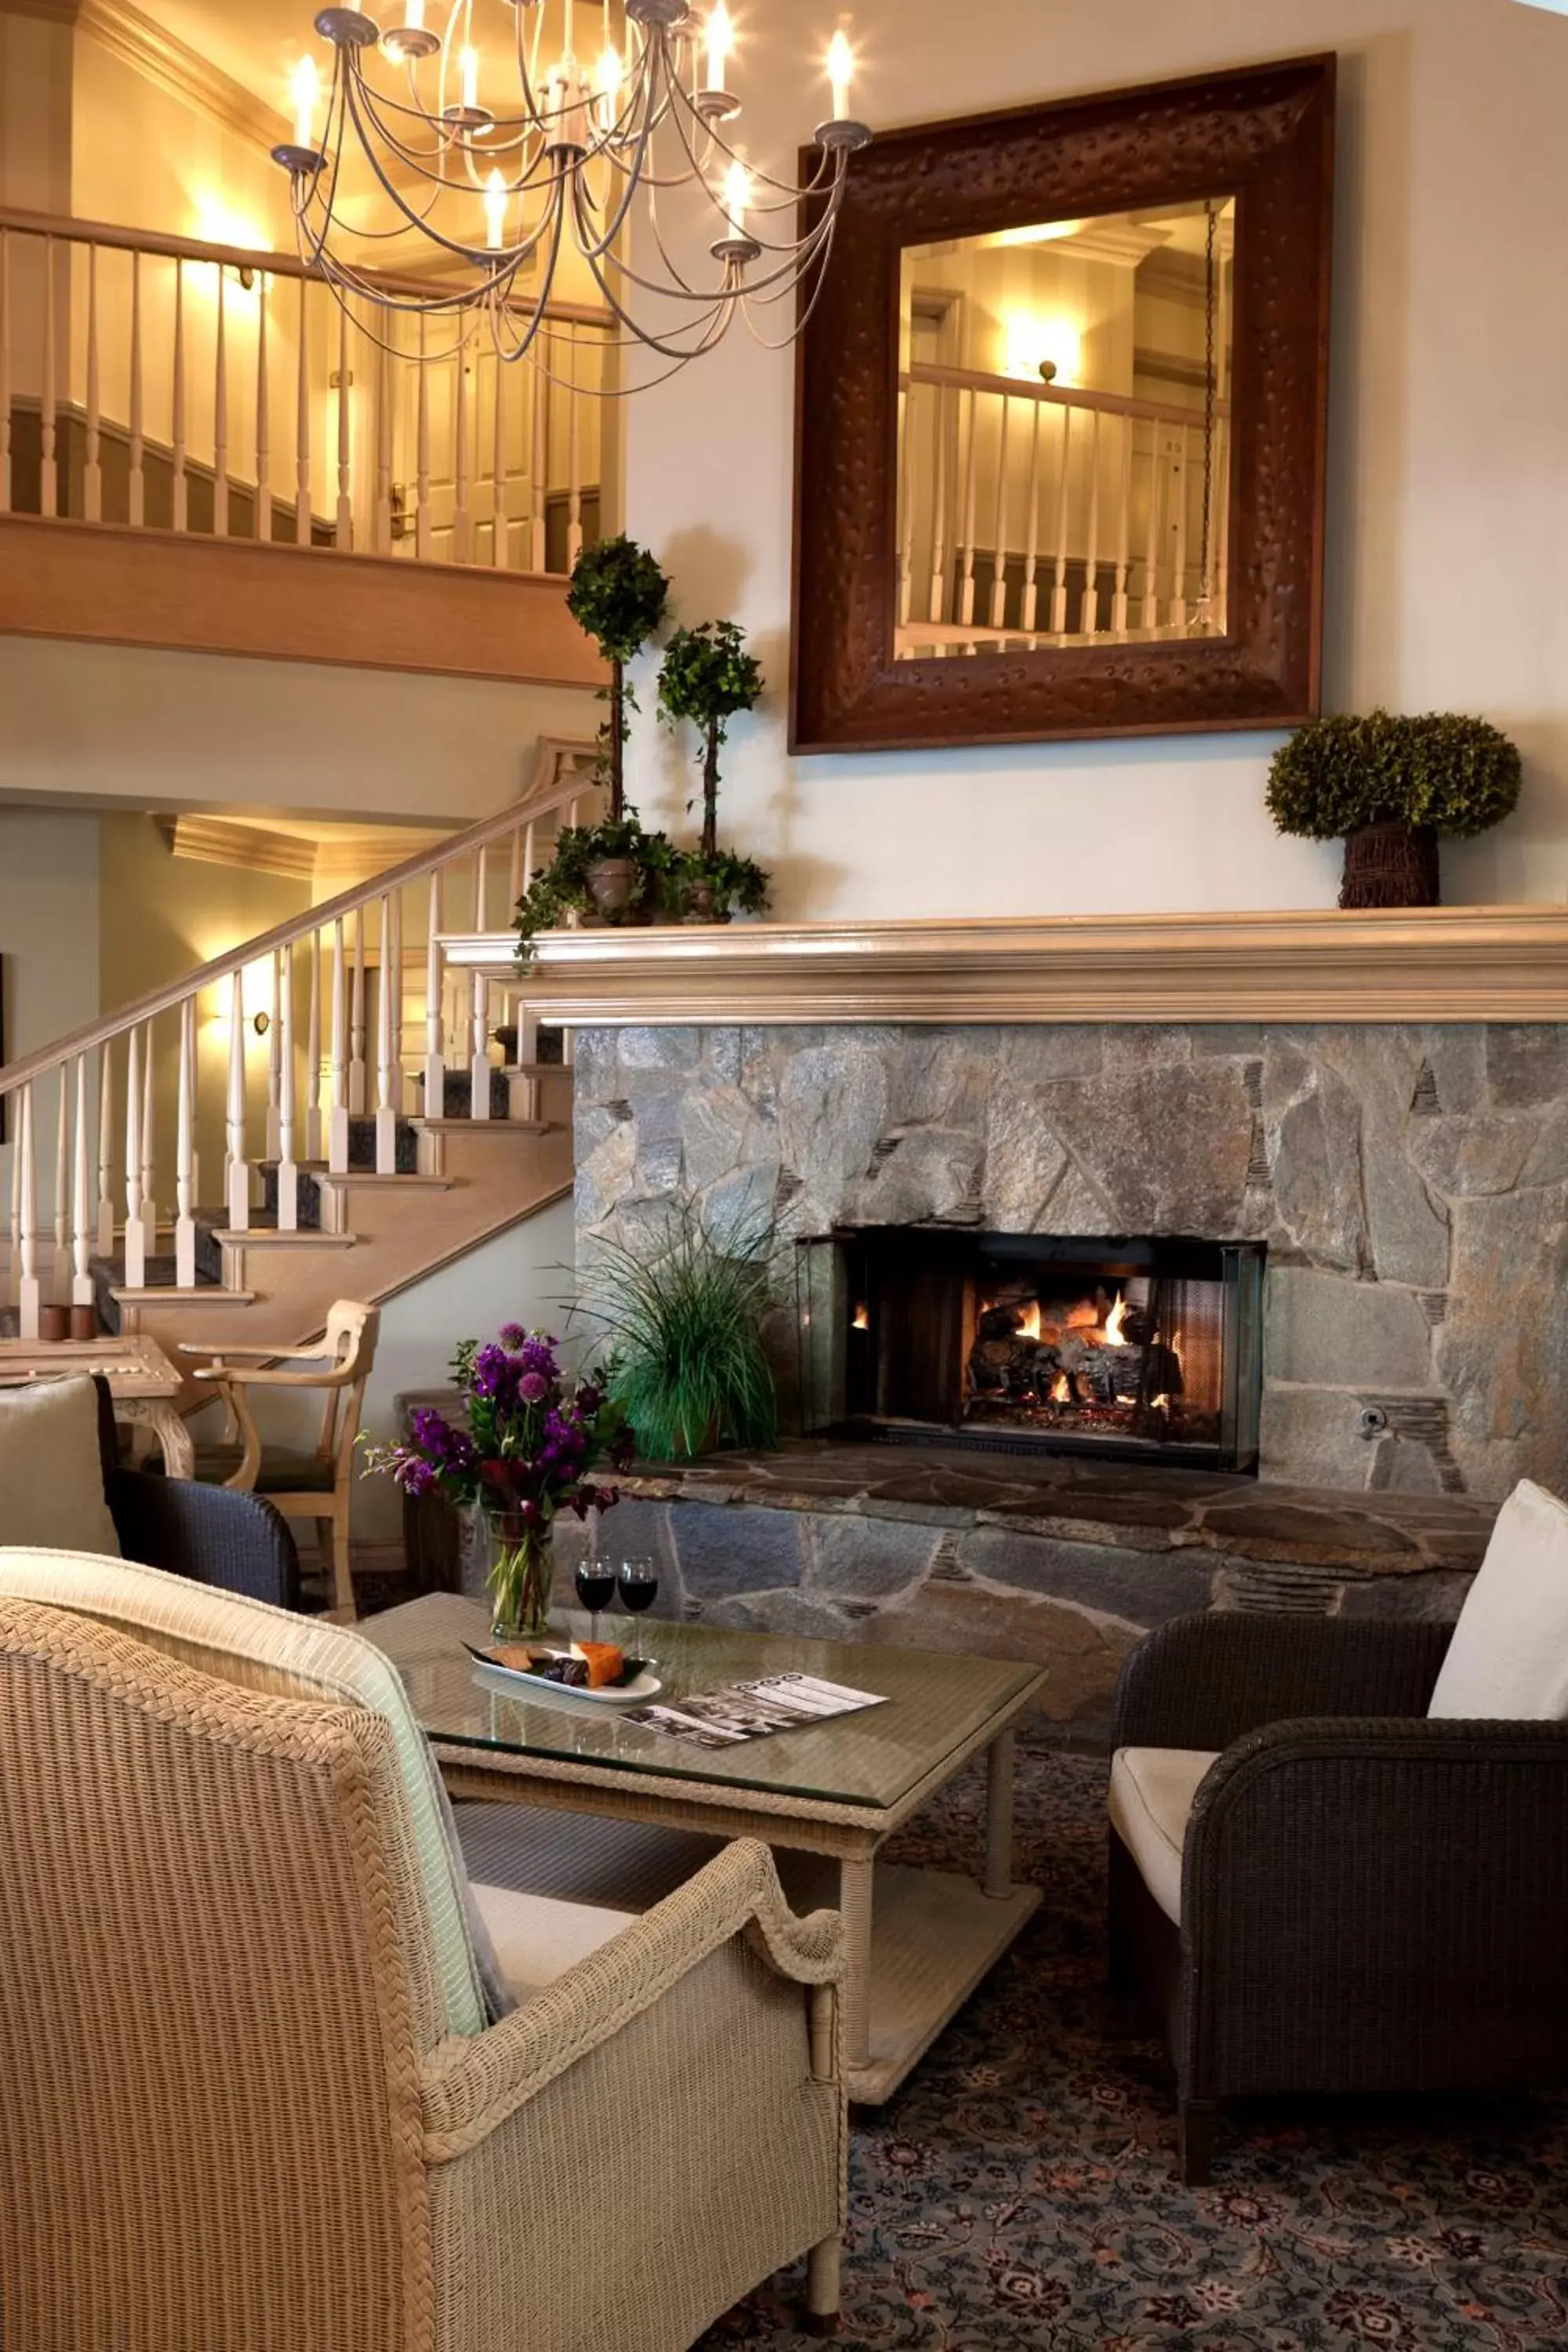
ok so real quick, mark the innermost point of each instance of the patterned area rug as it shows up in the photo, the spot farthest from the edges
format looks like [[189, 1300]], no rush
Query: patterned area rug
[[1019, 2194]]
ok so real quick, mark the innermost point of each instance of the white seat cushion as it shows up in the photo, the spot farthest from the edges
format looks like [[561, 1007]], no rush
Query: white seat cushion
[[537, 1938], [51, 1470], [1152, 1792], [270, 1650], [1508, 1656]]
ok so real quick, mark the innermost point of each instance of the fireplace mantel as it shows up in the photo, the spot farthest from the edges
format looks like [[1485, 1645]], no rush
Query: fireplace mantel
[[1438, 963]]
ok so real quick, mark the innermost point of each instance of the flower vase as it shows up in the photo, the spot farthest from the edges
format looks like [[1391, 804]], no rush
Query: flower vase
[[520, 1572]]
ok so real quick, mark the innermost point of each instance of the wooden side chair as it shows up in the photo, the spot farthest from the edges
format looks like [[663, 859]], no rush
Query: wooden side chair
[[317, 1484]]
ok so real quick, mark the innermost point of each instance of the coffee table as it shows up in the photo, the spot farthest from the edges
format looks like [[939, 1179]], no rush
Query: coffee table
[[917, 1941]]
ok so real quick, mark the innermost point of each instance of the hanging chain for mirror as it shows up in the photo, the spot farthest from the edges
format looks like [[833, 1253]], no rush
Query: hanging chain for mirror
[[1211, 304]]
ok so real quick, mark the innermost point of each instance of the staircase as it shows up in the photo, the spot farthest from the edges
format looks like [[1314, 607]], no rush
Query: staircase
[[228, 1155]]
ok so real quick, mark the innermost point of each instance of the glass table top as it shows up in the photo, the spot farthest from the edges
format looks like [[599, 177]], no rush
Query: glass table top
[[938, 1702]]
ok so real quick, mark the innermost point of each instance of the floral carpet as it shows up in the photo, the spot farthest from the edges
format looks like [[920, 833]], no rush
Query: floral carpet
[[1019, 2194]]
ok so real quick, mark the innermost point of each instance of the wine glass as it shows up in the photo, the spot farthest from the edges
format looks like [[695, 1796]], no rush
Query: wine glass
[[595, 1583], [638, 1582]]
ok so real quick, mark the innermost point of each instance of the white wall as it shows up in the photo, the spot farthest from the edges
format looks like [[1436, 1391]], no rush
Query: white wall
[[111, 724], [48, 954], [1448, 579]]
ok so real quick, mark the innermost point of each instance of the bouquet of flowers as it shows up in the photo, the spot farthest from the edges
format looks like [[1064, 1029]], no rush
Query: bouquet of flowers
[[524, 1456]]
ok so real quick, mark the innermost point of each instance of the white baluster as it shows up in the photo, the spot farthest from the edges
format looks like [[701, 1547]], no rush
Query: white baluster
[[344, 533], [4, 370], [302, 423], [29, 1297], [1180, 485], [105, 1151], [220, 413], [1151, 610], [528, 863], [61, 1257], [1123, 532], [338, 1127], [538, 462], [138, 471], [999, 527], [573, 462], [937, 611], [906, 504], [1032, 546], [480, 1064], [972, 460], [1064, 517], [386, 1108], [48, 469], [500, 525], [81, 1198], [397, 1000], [481, 886], [435, 1055], [514, 870], [262, 519], [357, 1089], [283, 1036], [149, 1150], [92, 469], [180, 486], [186, 1154], [236, 1174], [15, 1272], [313, 1054], [422, 454], [135, 1227], [462, 524], [1088, 611], [275, 1060]]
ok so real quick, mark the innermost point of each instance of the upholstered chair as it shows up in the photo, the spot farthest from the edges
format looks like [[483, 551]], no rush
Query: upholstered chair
[[1338, 1848], [258, 2090]]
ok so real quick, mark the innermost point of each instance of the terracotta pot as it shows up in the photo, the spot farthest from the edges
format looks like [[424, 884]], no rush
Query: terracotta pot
[[1391, 865], [54, 1322], [699, 903], [84, 1322], [612, 884]]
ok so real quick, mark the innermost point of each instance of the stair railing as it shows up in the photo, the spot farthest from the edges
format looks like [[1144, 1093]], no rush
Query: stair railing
[[134, 1097], [175, 384]]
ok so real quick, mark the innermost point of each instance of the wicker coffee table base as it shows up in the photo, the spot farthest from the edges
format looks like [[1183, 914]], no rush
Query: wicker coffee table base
[[918, 1942]]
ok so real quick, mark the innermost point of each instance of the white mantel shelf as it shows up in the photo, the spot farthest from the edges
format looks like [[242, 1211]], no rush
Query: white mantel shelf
[[1436, 963]]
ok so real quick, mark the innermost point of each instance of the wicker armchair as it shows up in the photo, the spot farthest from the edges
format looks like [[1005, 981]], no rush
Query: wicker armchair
[[233, 2116], [238, 1543], [1370, 1899]]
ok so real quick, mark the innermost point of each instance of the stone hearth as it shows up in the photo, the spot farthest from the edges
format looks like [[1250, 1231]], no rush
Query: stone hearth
[[1410, 1179], [1063, 1562]]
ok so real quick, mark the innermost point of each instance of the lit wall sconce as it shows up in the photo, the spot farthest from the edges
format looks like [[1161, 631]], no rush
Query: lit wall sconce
[[1042, 350], [262, 1023]]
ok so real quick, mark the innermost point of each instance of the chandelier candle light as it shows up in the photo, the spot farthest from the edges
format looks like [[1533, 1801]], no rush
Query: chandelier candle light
[[570, 157]]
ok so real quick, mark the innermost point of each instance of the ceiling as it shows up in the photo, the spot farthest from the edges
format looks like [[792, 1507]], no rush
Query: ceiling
[[256, 42]]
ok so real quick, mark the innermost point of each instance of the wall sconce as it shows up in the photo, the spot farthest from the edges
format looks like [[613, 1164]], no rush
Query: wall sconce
[[1041, 350], [262, 1023]]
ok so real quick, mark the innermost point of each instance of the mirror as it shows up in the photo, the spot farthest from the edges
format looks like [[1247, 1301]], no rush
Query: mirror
[[1064, 433], [1061, 422]]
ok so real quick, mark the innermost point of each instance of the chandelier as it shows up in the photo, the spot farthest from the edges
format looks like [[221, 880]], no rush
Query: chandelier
[[507, 160]]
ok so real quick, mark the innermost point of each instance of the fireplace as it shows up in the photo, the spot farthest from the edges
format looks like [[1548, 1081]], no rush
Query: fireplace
[[1128, 1349]]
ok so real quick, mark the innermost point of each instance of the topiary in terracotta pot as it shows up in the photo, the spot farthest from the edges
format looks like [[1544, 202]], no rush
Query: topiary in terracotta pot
[[1390, 786]]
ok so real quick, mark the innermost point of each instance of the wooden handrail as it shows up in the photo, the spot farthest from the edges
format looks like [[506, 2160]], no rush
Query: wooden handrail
[[554, 756], [1009, 387], [69, 231]]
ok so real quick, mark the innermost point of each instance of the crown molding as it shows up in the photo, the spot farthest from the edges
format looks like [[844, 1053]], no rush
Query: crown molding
[[168, 63], [217, 841]]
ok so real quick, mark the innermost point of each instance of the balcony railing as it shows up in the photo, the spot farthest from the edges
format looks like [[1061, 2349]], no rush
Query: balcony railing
[[167, 385]]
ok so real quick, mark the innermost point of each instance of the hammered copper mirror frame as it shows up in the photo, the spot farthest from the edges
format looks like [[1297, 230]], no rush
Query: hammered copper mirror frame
[[1265, 132]]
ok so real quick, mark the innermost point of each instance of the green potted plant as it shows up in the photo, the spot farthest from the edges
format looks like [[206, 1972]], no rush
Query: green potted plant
[[709, 677], [683, 1313], [1390, 786], [575, 881], [618, 594]]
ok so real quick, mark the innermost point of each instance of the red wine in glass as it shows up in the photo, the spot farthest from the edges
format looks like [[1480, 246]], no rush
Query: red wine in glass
[[595, 1583], [638, 1582]]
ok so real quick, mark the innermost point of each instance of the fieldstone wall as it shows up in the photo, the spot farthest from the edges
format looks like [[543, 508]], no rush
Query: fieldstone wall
[[1411, 1183]]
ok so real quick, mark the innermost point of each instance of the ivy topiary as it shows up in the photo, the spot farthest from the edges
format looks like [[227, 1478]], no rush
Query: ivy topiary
[[709, 677], [561, 889], [619, 594], [1441, 772]]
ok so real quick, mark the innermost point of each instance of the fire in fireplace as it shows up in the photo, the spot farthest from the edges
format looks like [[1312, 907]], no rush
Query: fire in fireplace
[[1010, 1342]]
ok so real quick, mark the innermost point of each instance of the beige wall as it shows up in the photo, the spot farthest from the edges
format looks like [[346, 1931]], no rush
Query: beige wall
[[1448, 557]]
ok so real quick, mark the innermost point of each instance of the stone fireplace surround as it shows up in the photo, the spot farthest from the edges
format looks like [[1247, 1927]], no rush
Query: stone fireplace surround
[[1381, 1098]]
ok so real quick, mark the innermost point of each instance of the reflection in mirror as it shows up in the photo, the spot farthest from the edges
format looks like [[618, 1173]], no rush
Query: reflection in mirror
[[1065, 434]]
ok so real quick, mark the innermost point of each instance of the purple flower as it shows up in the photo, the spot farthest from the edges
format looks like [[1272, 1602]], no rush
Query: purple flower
[[513, 1335], [533, 1388], [413, 1476]]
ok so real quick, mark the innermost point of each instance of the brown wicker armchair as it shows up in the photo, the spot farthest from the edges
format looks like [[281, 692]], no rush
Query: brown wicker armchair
[[233, 2115], [1369, 1899]]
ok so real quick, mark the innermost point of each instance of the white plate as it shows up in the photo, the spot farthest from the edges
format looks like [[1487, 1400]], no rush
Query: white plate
[[647, 1685]]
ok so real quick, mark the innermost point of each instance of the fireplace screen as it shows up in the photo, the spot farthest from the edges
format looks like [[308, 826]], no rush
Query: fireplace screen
[[1010, 1342]]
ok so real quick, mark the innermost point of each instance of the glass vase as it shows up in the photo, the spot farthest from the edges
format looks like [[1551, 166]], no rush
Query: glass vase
[[519, 1574]]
